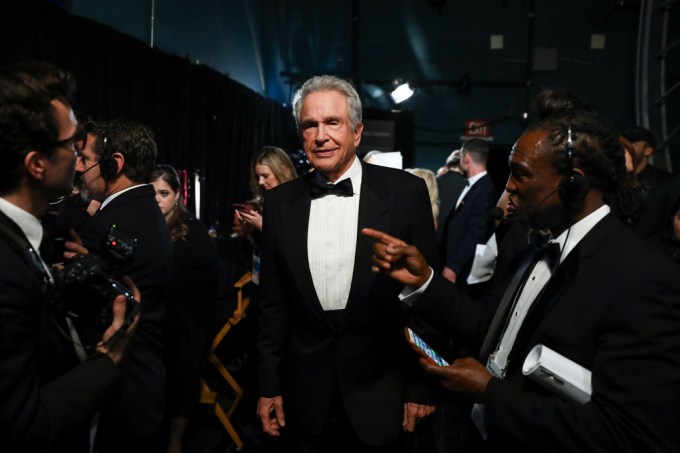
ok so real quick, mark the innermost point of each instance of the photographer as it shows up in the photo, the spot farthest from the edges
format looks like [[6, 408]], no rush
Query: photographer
[[48, 395]]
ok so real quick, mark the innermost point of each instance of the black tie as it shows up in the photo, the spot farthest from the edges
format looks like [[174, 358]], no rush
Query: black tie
[[551, 252], [341, 189]]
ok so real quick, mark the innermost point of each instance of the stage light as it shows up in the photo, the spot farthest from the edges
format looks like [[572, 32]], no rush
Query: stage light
[[402, 93]]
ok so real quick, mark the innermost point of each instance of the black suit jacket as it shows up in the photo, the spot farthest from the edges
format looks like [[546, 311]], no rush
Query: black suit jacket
[[47, 396], [302, 355], [136, 212], [612, 306], [450, 185], [467, 226]]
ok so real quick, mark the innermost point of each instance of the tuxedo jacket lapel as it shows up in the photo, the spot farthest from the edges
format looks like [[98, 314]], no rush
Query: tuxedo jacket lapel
[[374, 208], [523, 266], [563, 277]]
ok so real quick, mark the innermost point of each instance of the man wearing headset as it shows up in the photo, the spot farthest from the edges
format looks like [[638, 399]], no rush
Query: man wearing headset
[[607, 300], [114, 167]]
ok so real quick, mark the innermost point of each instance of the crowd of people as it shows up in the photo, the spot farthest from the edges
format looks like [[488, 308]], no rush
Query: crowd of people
[[579, 257]]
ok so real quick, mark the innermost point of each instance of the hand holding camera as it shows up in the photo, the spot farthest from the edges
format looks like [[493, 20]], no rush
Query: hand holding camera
[[88, 294], [116, 338]]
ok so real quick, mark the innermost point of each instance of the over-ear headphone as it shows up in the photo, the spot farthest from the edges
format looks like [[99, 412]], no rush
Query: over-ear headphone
[[108, 167], [573, 186]]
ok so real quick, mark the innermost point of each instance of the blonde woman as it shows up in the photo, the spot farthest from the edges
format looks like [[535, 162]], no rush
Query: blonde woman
[[271, 166], [431, 181]]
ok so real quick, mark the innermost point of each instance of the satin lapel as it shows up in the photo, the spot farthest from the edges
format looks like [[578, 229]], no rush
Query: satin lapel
[[500, 316], [564, 274], [575, 264], [295, 245], [374, 210], [569, 270]]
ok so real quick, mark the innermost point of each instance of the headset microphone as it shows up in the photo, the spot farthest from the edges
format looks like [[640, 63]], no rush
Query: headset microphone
[[90, 168], [522, 215]]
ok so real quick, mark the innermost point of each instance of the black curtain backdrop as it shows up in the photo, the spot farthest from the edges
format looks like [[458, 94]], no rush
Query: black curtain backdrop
[[204, 122]]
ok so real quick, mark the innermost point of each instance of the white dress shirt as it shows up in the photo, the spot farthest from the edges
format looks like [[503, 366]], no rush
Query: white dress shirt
[[332, 242], [539, 277]]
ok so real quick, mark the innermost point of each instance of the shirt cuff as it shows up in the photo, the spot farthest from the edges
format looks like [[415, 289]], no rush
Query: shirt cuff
[[410, 294]]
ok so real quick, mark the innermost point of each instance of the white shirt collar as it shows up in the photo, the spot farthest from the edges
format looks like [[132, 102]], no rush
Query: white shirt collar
[[28, 223], [112, 197], [577, 231], [475, 178]]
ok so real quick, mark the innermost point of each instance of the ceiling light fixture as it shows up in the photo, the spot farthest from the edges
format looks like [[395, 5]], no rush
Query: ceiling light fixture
[[402, 93]]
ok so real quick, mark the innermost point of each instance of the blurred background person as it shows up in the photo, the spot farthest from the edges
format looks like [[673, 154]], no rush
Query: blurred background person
[[651, 182], [190, 308], [450, 184], [270, 167], [469, 223], [431, 182]]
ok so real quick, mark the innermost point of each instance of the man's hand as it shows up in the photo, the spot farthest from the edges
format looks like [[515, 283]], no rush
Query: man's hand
[[75, 246], [413, 413], [270, 411], [449, 274], [465, 376], [118, 346], [394, 257]]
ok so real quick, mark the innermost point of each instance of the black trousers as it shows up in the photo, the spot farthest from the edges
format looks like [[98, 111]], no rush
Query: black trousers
[[337, 435]]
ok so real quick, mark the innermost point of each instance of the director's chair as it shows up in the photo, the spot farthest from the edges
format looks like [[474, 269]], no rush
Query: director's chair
[[222, 407]]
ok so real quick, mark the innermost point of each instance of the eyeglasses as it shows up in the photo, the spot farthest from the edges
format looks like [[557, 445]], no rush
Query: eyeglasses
[[76, 142]]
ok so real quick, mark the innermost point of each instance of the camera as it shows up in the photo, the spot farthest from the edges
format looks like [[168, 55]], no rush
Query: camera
[[86, 288]]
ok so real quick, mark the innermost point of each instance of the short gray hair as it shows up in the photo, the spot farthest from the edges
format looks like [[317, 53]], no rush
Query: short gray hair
[[329, 83]]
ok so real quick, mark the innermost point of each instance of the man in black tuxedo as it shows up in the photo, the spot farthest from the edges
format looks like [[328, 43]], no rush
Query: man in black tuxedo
[[333, 362], [48, 393], [450, 184], [469, 223], [114, 167], [605, 298]]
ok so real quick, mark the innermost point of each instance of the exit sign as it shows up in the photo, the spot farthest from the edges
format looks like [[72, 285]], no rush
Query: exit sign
[[477, 128]]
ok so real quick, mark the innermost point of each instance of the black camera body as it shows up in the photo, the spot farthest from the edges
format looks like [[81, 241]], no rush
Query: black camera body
[[87, 291], [86, 287]]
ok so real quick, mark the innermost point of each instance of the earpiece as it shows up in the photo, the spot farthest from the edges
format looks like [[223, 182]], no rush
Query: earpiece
[[108, 167], [573, 186]]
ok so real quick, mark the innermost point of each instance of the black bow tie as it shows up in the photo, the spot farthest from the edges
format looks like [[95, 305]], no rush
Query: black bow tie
[[341, 189], [550, 251]]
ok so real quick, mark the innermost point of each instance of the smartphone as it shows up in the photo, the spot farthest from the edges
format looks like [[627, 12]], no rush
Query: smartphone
[[239, 206], [419, 344]]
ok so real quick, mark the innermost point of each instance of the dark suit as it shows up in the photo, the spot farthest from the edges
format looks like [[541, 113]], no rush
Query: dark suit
[[303, 356], [47, 396], [467, 226], [603, 310], [190, 315], [139, 412], [655, 188], [450, 185]]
